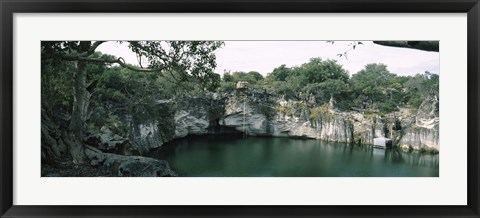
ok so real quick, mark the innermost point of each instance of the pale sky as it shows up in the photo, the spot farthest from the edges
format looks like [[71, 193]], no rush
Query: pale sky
[[264, 56]]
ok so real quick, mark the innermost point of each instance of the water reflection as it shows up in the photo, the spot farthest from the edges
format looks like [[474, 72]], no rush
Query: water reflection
[[286, 157]]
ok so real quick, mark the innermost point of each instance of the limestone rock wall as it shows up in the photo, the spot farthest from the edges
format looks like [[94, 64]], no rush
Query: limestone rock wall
[[265, 114]]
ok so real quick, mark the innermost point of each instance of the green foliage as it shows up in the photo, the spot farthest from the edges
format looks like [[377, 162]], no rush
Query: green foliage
[[317, 71], [102, 117], [227, 87], [114, 123], [56, 86], [227, 77], [299, 108], [280, 73], [119, 85], [308, 79], [323, 109], [386, 107], [251, 77], [415, 101], [421, 86], [190, 62], [186, 68], [373, 88], [286, 111], [314, 113], [229, 80], [71, 47], [189, 58], [284, 88], [211, 82], [319, 112]]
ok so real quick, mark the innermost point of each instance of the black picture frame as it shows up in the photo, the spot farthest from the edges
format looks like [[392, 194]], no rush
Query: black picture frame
[[9, 7]]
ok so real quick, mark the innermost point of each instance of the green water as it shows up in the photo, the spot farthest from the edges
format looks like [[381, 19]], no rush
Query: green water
[[214, 156]]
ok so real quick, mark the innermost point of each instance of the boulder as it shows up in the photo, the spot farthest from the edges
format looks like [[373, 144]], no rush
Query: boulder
[[133, 166], [108, 141]]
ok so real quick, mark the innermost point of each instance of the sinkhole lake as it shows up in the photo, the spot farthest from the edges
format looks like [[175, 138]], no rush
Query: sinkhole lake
[[219, 156]]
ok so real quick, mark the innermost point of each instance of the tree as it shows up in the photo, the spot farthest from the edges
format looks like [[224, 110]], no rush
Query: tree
[[56, 85], [227, 77], [188, 58], [317, 70], [255, 75], [375, 87], [211, 82], [251, 77], [314, 71], [333, 88], [421, 87], [280, 73]]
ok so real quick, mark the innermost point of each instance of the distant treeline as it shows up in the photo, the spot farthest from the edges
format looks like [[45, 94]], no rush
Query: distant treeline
[[372, 88]]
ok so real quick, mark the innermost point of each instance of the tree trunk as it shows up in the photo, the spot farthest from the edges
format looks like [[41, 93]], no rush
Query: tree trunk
[[75, 148], [79, 113]]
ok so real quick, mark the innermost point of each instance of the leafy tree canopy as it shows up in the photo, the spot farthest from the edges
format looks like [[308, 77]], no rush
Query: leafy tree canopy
[[187, 58]]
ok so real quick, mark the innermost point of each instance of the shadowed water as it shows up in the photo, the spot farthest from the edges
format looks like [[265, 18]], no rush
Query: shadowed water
[[286, 157]]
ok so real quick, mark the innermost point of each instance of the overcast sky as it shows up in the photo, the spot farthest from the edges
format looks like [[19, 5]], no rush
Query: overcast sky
[[264, 56]]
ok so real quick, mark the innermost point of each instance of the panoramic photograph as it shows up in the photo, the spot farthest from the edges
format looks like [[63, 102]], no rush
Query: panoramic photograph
[[240, 108]]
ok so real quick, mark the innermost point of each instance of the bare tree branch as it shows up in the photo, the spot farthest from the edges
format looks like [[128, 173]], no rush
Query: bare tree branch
[[93, 48], [119, 61]]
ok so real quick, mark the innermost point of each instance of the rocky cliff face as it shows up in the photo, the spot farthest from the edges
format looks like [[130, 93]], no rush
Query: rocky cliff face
[[194, 116], [259, 113], [280, 118], [188, 124], [423, 131], [418, 138], [244, 114], [151, 128]]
